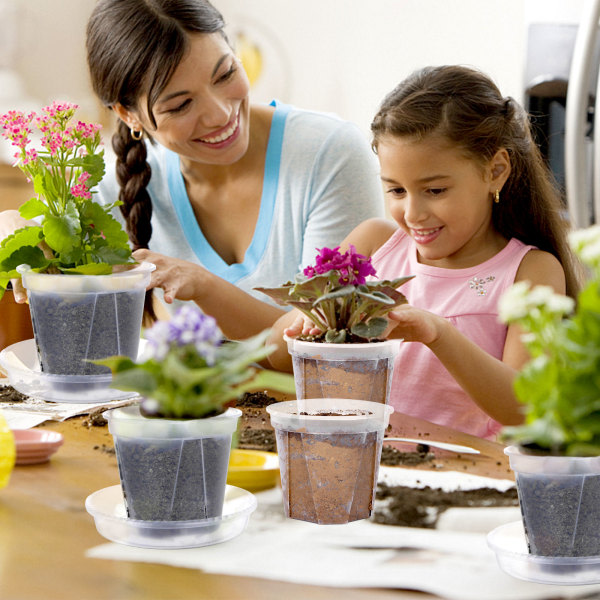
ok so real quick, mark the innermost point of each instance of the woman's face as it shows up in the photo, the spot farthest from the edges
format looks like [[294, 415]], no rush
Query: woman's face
[[442, 199], [203, 112]]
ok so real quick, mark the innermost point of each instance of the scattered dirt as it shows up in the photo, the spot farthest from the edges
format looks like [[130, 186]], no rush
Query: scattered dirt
[[106, 449], [95, 418], [392, 457], [255, 400], [421, 507], [9, 394]]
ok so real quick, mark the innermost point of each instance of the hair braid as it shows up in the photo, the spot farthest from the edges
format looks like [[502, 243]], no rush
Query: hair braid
[[133, 174]]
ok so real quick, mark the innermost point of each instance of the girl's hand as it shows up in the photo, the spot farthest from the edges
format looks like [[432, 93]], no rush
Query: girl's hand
[[414, 325], [180, 279], [301, 325]]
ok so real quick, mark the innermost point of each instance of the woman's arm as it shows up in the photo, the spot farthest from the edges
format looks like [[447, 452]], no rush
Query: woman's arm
[[238, 314], [487, 380]]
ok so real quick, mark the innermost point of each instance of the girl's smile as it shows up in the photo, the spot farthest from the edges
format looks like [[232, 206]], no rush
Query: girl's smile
[[224, 136]]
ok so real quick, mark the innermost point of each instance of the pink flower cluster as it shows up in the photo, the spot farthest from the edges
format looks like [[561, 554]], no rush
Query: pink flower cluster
[[60, 143], [353, 268], [80, 190]]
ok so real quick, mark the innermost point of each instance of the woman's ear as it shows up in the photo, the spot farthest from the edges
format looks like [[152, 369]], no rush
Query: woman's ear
[[127, 116], [499, 169]]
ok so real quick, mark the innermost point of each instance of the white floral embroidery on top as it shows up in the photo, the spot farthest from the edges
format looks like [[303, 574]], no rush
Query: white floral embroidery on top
[[478, 284]]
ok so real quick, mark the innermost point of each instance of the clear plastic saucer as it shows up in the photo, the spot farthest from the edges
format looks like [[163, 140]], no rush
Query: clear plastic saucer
[[509, 543], [20, 362], [108, 509]]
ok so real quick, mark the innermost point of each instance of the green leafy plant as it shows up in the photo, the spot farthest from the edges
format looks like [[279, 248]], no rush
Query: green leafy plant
[[80, 233], [190, 371], [560, 385], [337, 297]]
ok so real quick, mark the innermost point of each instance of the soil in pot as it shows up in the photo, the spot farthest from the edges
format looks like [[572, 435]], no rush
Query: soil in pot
[[71, 328], [174, 480], [329, 477], [255, 431], [561, 514]]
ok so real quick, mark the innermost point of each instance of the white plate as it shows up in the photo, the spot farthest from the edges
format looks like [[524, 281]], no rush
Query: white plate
[[509, 543], [21, 365], [108, 509]]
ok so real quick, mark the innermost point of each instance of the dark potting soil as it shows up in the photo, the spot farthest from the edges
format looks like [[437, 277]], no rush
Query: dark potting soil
[[561, 514], [70, 329], [392, 457], [255, 400], [170, 482], [421, 507], [9, 394]]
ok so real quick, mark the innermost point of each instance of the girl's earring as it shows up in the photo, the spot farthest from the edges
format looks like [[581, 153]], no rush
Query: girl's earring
[[497, 196], [136, 134]]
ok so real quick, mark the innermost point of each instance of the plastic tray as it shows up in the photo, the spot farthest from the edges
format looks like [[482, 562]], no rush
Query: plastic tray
[[108, 509], [20, 362], [509, 543]]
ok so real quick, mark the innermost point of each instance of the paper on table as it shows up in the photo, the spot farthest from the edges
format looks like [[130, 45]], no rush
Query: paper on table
[[33, 411], [453, 565]]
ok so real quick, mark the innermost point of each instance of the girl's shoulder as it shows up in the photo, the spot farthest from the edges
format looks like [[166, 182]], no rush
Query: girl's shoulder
[[370, 235], [542, 268]]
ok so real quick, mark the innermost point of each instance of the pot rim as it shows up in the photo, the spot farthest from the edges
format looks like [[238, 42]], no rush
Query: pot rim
[[329, 351]]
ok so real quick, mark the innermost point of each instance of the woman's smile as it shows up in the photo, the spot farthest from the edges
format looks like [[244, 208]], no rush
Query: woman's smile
[[224, 136]]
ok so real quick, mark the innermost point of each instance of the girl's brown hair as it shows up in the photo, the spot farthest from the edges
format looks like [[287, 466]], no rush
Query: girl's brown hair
[[465, 107], [133, 49]]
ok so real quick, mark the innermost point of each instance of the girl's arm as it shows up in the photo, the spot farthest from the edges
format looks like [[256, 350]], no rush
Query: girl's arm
[[238, 314], [487, 380]]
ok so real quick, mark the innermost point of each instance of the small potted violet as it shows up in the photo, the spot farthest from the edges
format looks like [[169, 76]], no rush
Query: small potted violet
[[173, 447], [85, 290], [341, 296], [555, 454]]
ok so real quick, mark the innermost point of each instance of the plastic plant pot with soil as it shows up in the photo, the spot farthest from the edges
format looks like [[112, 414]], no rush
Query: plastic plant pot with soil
[[354, 371], [77, 318], [172, 469], [329, 452], [560, 502]]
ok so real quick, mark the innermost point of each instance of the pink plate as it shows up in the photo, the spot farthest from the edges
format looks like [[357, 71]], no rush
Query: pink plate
[[36, 445]]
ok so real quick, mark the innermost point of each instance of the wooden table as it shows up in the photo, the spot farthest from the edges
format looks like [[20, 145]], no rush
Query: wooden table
[[45, 532]]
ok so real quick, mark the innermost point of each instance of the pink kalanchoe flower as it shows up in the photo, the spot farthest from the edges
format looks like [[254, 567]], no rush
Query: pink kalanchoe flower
[[361, 266], [330, 259]]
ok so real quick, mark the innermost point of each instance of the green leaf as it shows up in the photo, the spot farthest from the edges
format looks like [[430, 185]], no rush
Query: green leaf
[[33, 208], [371, 329], [62, 232], [89, 269]]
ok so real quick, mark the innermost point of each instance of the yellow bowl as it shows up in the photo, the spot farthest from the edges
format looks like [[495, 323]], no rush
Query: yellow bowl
[[253, 470]]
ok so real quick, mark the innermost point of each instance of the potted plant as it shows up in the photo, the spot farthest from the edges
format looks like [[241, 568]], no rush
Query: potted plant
[[555, 453], [347, 359], [329, 453], [173, 447], [85, 290]]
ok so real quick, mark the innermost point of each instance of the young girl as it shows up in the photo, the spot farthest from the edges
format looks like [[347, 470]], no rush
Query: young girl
[[476, 211]]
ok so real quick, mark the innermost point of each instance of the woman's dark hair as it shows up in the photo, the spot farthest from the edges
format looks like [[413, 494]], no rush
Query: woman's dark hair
[[465, 107], [133, 49]]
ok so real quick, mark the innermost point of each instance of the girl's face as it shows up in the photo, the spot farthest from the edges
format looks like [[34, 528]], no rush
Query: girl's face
[[442, 199], [203, 112]]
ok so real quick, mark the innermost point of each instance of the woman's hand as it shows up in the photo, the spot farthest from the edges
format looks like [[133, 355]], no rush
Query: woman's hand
[[10, 221], [180, 279]]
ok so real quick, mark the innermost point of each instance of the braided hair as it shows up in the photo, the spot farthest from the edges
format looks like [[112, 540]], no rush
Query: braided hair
[[133, 49], [465, 107]]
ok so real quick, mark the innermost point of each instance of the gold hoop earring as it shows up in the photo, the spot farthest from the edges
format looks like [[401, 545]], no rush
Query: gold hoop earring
[[136, 134], [497, 196]]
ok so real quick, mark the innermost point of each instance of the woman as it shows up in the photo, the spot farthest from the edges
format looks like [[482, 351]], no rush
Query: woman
[[237, 195], [221, 194]]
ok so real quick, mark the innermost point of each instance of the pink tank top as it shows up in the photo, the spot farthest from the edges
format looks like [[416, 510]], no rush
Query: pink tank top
[[468, 298]]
